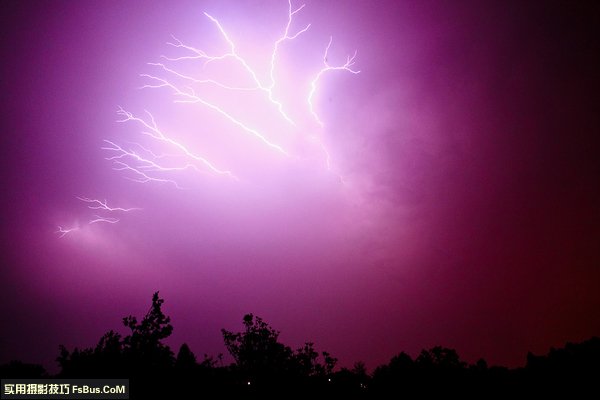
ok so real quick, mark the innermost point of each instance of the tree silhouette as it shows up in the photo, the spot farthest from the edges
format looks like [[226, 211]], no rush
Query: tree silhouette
[[264, 363], [19, 370], [256, 350], [144, 347], [263, 366], [185, 360], [330, 363], [306, 358], [141, 352], [439, 358]]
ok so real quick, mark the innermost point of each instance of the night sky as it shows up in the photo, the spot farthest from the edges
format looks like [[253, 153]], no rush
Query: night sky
[[460, 206]]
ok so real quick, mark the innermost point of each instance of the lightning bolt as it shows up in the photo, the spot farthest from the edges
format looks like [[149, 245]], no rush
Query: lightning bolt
[[142, 167], [108, 220], [268, 89], [64, 231], [155, 133], [141, 163], [103, 205], [95, 204], [197, 54], [145, 164], [313, 85], [190, 96], [283, 38], [200, 81]]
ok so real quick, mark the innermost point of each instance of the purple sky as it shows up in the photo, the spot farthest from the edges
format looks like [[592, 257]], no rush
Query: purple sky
[[461, 207]]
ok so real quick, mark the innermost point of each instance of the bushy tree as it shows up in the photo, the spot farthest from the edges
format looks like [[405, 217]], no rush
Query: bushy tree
[[140, 352], [143, 346], [256, 350], [439, 357]]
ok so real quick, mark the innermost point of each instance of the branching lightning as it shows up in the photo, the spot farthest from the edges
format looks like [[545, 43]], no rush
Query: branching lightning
[[327, 67], [99, 205], [64, 231], [103, 205], [142, 167], [190, 96], [197, 54], [145, 165], [161, 158], [186, 94], [155, 133], [283, 38]]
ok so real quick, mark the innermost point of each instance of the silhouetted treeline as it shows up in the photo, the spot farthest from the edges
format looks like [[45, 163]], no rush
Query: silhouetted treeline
[[265, 366]]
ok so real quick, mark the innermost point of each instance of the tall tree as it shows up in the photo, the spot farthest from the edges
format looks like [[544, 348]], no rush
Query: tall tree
[[144, 347]]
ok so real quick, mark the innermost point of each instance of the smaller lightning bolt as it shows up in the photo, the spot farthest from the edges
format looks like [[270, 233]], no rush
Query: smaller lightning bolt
[[153, 154], [144, 165], [197, 54], [64, 231], [327, 155], [313, 85], [157, 134], [283, 38], [328, 163], [191, 97], [107, 220], [102, 205], [202, 81], [201, 55], [232, 53]]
